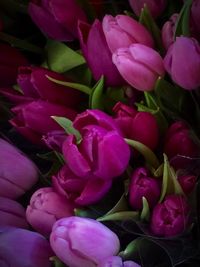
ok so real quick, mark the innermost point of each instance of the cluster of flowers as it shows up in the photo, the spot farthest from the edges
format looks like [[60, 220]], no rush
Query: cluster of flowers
[[98, 147]]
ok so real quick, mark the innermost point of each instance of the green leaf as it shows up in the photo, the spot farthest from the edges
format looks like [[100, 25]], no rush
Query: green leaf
[[145, 214], [119, 216], [147, 153], [170, 184], [96, 96], [57, 262], [61, 58], [80, 87], [67, 125], [121, 205]]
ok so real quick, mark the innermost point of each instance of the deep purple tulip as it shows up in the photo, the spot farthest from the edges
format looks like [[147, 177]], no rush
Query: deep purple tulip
[[185, 75], [83, 241], [97, 53], [22, 248], [122, 31], [12, 213], [83, 192], [116, 261], [55, 139], [143, 185], [178, 141], [195, 19], [56, 18], [156, 7], [45, 208], [34, 119], [102, 151], [168, 31], [10, 60], [139, 65], [139, 126], [17, 173], [170, 218], [187, 183]]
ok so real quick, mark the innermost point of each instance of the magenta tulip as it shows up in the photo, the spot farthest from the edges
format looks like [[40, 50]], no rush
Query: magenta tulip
[[75, 246], [168, 31], [187, 183], [17, 173], [122, 31], [171, 217], [55, 139], [139, 65], [56, 18], [195, 19]]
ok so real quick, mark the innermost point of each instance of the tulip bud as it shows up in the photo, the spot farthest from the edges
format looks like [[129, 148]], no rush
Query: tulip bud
[[75, 246], [185, 75], [139, 126], [45, 208], [122, 31], [12, 213], [56, 18], [22, 248], [55, 139], [18, 173], [156, 7], [139, 65], [143, 185], [168, 30], [187, 183], [195, 19], [170, 218], [116, 261]]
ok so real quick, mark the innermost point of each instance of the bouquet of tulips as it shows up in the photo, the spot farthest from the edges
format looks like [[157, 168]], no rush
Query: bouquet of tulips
[[99, 133]]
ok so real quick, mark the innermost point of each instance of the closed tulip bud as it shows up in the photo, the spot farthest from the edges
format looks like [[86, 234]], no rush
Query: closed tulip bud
[[12, 213], [170, 218], [139, 126], [178, 141], [195, 19], [22, 248], [33, 119], [185, 75], [10, 60], [143, 185], [168, 31], [56, 19], [187, 183], [116, 261], [102, 152], [17, 173], [122, 31], [55, 139], [83, 241], [139, 65], [156, 7], [98, 54]]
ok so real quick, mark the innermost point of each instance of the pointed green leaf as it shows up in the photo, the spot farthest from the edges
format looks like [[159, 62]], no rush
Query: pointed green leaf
[[121, 205], [119, 216], [67, 125], [80, 87], [96, 97], [145, 214], [159, 171], [147, 153], [61, 58], [131, 247]]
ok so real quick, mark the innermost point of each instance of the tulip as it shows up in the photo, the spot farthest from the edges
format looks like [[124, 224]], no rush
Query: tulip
[[194, 17], [179, 142], [45, 208], [139, 65], [56, 18], [55, 139], [168, 31], [122, 31], [83, 241], [143, 185], [156, 7], [185, 75], [139, 126], [17, 173], [22, 248], [187, 183], [102, 151], [82, 191], [34, 119], [97, 54], [170, 218], [10, 60], [116, 261], [12, 213]]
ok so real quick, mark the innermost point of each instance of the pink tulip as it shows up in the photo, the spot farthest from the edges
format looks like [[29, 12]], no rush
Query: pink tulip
[[168, 31]]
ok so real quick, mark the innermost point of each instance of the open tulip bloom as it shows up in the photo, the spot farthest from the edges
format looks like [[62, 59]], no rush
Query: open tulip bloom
[[99, 133]]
